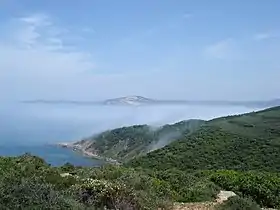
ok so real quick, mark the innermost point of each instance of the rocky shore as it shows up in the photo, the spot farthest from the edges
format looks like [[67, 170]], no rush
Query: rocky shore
[[78, 148]]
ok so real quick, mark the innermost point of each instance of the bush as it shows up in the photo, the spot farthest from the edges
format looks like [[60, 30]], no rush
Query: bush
[[238, 203], [32, 193], [27, 182], [103, 194], [150, 191], [67, 167], [264, 188], [190, 187]]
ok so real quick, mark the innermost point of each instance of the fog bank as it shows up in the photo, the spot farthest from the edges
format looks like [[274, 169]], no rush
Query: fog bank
[[44, 124]]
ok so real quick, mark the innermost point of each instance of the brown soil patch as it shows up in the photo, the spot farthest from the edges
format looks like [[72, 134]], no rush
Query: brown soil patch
[[195, 206]]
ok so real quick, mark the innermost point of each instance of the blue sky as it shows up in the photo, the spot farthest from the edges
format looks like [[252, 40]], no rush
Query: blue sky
[[97, 49]]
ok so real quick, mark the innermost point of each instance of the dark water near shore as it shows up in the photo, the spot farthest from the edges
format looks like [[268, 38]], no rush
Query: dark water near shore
[[32, 128]]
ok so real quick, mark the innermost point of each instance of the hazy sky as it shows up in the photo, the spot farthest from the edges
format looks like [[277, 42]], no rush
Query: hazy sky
[[177, 49]]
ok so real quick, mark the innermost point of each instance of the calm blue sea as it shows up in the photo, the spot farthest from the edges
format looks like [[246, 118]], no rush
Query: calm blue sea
[[55, 156], [34, 127]]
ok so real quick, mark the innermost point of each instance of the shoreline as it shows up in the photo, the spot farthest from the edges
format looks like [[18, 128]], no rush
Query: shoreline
[[79, 149]]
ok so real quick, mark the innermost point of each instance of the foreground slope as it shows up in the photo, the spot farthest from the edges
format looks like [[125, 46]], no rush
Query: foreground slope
[[125, 143], [244, 142], [28, 182]]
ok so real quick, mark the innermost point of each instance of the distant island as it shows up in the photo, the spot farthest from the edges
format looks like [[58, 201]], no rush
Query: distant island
[[142, 101]]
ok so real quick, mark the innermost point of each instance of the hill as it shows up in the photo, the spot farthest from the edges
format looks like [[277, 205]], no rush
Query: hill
[[125, 143], [244, 142], [143, 101], [234, 153], [129, 100]]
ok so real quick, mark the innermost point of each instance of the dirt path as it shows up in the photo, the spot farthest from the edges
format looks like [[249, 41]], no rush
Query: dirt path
[[221, 197], [195, 206]]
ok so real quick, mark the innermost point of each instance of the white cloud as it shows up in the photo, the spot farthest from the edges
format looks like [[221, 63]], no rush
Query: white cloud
[[38, 30], [223, 49], [36, 59], [264, 36], [37, 20], [37, 62], [28, 36]]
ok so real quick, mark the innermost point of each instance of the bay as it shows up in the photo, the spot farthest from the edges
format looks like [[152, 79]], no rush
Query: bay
[[53, 155]]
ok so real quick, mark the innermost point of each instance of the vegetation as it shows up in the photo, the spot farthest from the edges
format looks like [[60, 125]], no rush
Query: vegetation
[[238, 203], [236, 153], [245, 142], [262, 187], [191, 186], [27, 182], [125, 143]]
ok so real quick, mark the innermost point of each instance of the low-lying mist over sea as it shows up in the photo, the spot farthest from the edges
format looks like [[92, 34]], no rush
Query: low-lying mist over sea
[[36, 128], [25, 124]]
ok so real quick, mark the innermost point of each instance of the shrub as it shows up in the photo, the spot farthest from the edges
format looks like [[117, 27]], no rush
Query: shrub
[[67, 167], [190, 187], [238, 203], [32, 193], [103, 194], [27, 182], [264, 188], [148, 189]]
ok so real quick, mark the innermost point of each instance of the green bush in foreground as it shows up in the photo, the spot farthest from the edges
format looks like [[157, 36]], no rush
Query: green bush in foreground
[[190, 186], [33, 193], [264, 188], [238, 203], [150, 191], [27, 182], [103, 194]]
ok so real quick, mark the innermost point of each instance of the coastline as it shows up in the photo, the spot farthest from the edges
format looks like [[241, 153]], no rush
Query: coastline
[[78, 148]]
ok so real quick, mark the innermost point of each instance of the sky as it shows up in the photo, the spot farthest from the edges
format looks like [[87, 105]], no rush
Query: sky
[[163, 49]]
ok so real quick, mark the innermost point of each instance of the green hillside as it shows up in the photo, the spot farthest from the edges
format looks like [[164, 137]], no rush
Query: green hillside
[[245, 142], [125, 143], [237, 153], [28, 182]]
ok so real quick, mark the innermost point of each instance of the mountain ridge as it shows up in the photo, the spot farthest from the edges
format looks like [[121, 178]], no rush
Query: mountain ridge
[[129, 100], [125, 143], [136, 100], [234, 142], [239, 153]]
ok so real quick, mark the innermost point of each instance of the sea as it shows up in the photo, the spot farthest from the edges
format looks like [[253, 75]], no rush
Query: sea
[[38, 128]]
